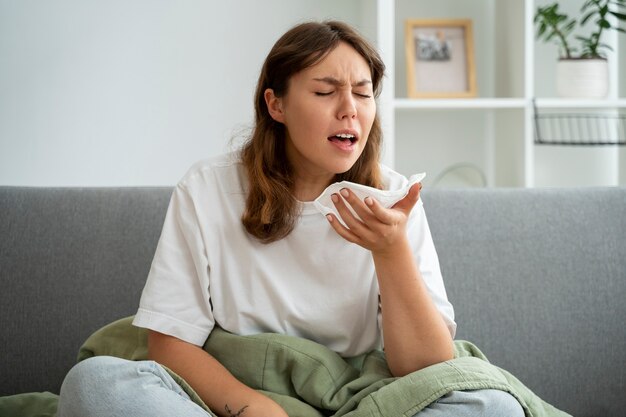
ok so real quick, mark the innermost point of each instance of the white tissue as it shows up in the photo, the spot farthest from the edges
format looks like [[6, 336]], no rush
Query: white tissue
[[387, 198]]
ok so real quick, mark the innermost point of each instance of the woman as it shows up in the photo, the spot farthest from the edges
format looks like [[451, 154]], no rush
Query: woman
[[244, 248]]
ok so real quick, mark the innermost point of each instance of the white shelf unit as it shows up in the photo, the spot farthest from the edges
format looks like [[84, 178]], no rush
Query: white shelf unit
[[495, 131]]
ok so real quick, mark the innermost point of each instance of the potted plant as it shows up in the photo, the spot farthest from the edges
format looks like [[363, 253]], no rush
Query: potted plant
[[581, 72]]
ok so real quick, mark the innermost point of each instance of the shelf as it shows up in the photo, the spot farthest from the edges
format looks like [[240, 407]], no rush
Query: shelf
[[508, 103], [472, 103], [560, 103], [498, 131]]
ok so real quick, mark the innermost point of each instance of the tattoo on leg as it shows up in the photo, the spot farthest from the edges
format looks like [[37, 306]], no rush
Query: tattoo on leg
[[232, 414]]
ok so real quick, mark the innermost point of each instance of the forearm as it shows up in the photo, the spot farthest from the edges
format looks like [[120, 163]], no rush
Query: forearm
[[415, 334], [218, 388]]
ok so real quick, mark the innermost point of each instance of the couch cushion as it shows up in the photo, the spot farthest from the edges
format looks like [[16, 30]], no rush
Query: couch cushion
[[71, 260], [538, 281], [537, 277]]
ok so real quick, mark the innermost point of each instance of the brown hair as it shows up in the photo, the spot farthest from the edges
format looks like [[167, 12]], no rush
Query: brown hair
[[271, 209]]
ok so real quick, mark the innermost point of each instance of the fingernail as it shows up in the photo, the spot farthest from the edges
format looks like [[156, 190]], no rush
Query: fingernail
[[368, 201], [335, 198], [329, 217], [344, 192]]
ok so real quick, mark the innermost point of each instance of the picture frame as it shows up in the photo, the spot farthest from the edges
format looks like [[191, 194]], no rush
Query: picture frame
[[440, 58]]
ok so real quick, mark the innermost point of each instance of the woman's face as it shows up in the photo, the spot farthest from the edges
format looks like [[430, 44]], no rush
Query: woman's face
[[328, 112]]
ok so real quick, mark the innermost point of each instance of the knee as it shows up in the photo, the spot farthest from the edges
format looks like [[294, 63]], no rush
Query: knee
[[501, 403], [87, 383], [96, 365], [98, 370], [482, 402]]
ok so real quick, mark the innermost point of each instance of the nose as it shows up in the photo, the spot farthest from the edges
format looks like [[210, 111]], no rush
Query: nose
[[347, 106]]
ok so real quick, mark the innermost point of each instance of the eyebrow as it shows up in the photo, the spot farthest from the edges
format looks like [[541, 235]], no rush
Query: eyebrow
[[339, 83]]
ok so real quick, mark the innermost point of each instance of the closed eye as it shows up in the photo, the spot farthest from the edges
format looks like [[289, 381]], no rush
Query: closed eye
[[323, 94]]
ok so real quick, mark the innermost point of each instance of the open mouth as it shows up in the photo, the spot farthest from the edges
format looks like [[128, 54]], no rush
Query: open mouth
[[343, 138]]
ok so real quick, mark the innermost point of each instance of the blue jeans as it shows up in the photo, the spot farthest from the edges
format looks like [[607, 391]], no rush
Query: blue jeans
[[112, 387]]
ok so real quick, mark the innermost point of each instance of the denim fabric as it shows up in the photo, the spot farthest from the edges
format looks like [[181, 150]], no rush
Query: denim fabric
[[480, 403], [108, 386], [113, 387]]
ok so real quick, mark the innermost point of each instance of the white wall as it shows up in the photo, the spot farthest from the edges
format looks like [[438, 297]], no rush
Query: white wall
[[132, 92]]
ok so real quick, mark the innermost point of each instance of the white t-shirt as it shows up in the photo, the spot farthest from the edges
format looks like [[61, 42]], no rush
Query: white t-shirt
[[208, 271]]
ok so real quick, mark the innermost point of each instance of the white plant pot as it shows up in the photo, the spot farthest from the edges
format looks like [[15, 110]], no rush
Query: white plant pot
[[582, 78]]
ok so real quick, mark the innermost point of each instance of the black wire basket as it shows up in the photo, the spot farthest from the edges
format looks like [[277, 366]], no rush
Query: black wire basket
[[601, 128]]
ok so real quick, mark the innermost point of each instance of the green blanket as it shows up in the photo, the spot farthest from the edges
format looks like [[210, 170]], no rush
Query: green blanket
[[309, 380]]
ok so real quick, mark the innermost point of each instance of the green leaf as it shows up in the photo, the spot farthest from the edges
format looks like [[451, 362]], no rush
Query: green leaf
[[620, 16], [586, 18], [604, 24]]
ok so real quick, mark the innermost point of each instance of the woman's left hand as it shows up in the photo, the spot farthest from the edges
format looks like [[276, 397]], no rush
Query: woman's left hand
[[379, 229], [414, 332]]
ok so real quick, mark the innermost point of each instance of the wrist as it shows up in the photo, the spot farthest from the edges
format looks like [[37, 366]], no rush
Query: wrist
[[399, 248]]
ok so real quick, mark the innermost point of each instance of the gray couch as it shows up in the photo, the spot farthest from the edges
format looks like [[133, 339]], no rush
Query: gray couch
[[537, 277]]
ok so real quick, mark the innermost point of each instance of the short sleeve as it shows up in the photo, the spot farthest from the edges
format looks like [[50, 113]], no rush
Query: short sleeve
[[176, 297]]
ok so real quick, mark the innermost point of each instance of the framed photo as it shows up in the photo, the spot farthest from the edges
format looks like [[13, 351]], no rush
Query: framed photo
[[440, 58]]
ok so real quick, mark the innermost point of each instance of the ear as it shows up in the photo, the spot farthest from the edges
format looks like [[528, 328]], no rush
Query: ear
[[274, 105]]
